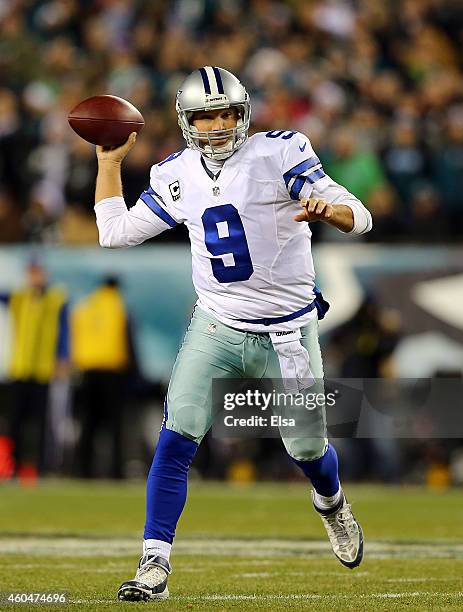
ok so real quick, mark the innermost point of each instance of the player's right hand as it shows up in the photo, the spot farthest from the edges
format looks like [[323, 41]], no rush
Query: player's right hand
[[116, 154]]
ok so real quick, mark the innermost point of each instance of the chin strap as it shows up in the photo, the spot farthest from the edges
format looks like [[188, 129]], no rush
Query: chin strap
[[212, 152]]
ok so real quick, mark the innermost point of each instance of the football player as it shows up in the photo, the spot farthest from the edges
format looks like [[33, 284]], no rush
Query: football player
[[246, 203]]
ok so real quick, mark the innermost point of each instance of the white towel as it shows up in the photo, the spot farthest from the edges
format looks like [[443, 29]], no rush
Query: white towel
[[294, 361]]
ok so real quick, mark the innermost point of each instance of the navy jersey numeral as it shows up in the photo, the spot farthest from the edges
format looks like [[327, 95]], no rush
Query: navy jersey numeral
[[235, 243], [278, 133]]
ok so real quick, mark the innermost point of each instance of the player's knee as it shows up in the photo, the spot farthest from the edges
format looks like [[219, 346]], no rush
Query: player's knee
[[305, 449], [190, 422]]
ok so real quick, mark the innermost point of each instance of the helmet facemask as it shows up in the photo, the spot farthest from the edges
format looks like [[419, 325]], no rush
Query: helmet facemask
[[205, 142]]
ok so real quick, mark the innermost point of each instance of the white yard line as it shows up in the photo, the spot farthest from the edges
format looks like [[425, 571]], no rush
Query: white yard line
[[130, 547], [290, 573]]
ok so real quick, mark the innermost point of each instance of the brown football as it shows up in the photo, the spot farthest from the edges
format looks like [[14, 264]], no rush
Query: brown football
[[105, 120]]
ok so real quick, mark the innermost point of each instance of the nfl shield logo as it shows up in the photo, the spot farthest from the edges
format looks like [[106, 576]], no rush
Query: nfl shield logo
[[212, 328]]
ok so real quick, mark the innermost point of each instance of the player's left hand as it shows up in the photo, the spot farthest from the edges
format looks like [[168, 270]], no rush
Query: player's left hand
[[314, 210]]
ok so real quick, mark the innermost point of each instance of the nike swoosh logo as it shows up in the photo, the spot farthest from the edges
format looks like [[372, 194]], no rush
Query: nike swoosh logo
[[302, 149]]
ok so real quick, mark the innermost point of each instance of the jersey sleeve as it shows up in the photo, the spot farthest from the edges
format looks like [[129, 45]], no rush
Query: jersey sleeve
[[304, 177], [159, 199], [327, 189], [120, 227], [301, 166]]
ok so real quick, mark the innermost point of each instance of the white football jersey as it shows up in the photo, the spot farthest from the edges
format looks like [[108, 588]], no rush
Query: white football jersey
[[252, 263]]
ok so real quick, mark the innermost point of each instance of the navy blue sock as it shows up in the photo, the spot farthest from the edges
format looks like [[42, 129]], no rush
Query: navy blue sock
[[166, 488], [323, 472]]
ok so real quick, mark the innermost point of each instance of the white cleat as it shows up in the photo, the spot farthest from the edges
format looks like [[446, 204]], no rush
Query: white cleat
[[150, 581], [345, 534]]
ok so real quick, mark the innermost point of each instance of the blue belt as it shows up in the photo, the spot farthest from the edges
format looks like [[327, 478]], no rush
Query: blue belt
[[319, 303]]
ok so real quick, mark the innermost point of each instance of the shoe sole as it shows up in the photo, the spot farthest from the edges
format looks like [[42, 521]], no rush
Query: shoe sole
[[132, 593]]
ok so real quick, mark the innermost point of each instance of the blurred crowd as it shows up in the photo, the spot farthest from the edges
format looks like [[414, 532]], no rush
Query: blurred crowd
[[377, 86]]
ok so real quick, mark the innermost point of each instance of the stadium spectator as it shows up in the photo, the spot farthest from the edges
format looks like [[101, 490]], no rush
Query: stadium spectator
[[429, 221], [40, 353], [362, 348], [102, 351], [389, 224], [360, 171], [11, 229], [75, 225], [364, 344], [11, 142], [448, 169], [405, 162]]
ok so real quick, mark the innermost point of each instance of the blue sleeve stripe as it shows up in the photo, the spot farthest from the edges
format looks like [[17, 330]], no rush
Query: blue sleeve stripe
[[297, 187], [305, 171], [299, 182], [314, 176], [148, 199], [302, 167], [151, 192]]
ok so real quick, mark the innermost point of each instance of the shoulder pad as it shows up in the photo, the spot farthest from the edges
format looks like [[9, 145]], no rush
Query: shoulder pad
[[171, 157], [170, 167], [274, 141]]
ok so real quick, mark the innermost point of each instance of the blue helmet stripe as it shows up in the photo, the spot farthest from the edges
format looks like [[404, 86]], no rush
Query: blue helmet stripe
[[218, 78], [207, 85]]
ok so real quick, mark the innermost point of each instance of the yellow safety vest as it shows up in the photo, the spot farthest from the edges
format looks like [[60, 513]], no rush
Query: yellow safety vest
[[99, 332], [35, 317]]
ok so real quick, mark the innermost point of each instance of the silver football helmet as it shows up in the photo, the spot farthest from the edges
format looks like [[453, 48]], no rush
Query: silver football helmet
[[211, 88]]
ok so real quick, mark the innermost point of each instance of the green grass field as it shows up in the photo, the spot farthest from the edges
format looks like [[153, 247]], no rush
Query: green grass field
[[238, 548]]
